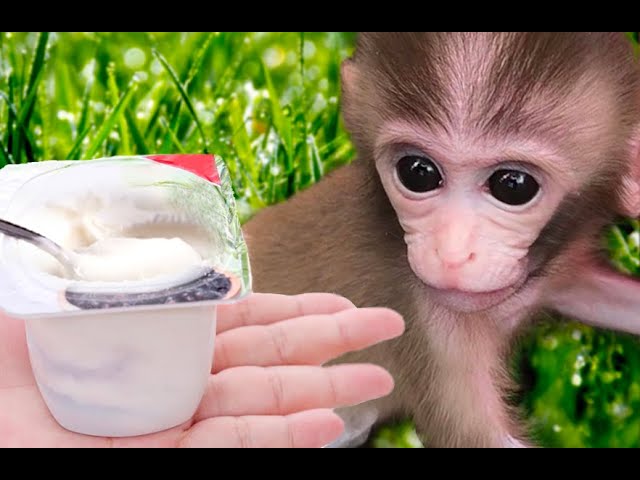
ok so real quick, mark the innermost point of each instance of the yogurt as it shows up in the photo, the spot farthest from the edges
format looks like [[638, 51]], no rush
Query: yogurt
[[127, 349], [135, 259]]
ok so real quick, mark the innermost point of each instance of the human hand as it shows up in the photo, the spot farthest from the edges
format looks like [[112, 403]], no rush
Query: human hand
[[267, 388]]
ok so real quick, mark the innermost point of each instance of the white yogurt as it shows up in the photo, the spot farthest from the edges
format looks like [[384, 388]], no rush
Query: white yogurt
[[115, 251], [135, 259]]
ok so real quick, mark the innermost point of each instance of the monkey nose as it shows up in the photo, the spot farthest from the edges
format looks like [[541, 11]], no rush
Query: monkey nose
[[454, 261]]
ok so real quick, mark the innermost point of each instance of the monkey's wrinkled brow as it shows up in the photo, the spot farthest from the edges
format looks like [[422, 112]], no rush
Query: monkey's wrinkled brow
[[545, 87], [401, 137]]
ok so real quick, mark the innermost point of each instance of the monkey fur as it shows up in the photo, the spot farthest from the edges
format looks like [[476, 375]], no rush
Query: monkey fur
[[578, 91]]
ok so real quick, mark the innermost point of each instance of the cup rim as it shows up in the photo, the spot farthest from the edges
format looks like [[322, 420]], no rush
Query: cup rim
[[55, 286]]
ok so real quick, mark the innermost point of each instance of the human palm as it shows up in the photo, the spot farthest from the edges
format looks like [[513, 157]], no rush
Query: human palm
[[268, 388]]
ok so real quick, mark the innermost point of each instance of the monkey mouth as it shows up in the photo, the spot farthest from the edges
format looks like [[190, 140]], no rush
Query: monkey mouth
[[468, 302]]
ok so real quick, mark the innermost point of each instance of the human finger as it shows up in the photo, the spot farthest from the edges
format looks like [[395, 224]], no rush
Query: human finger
[[286, 390], [310, 340], [310, 429], [266, 308]]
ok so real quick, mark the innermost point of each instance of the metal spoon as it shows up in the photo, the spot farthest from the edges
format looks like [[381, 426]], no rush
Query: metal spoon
[[66, 258]]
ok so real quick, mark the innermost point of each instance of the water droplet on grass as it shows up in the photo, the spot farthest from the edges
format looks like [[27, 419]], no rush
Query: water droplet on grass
[[135, 58], [273, 57], [576, 380]]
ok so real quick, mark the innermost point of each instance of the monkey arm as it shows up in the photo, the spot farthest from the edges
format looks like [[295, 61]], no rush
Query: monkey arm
[[601, 297]]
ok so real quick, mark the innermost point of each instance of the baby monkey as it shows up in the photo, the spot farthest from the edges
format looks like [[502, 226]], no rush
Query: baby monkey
[[488, 166]]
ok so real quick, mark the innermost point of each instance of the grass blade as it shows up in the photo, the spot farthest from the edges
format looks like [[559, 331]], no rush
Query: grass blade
[[198, 61], [122, 123], [317, 168], [64, 94], [23, 119], [19, 126], [38, 61], [194, 70], [302, 83], [74, 154], [184, 95], [37, 69], [281, 123], [175, 140], [153, 120], [110, 121], [171, 129], [242, 144], [160, 95], [86, 102], [44, 135], [619, 249], [6, 158], [11, 111], [241, 140], [138, 139]]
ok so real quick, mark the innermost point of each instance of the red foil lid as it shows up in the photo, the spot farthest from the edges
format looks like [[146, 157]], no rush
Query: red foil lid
[[202, 165]]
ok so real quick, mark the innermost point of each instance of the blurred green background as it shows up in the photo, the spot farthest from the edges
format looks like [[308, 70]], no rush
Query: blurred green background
[[269, 103]]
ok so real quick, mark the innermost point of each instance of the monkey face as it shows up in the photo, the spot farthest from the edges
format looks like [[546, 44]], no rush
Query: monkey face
[[470, 211], [488, 150]]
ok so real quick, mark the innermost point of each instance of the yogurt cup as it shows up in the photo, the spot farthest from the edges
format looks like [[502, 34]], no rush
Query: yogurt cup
[[129, 357]]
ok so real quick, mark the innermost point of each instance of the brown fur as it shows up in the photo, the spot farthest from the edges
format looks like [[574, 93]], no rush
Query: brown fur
[[522, 82], [349, 242], [342, 235]]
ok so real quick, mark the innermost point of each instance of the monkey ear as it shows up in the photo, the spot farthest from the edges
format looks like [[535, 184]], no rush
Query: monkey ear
[[349, 74], [631, 186], [350, 83]]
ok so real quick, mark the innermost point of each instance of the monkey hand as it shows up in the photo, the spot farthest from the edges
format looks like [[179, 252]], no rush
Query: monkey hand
[[268, 388], [601, 297]]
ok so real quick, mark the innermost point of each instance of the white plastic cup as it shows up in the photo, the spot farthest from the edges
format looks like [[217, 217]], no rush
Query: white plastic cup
[[123, 374]]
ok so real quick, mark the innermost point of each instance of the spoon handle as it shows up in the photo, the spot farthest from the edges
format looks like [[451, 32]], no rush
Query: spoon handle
[[44, 243], [17, 231]]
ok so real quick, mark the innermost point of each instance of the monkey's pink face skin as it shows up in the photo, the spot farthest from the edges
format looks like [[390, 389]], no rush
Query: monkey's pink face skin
[[470, 209]]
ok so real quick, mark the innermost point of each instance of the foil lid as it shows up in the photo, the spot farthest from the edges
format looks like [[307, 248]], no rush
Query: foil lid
[[165, 196]]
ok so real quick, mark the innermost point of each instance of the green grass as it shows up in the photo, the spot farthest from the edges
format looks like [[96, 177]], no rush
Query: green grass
[[272, 113], [585, 384], [269, 104]]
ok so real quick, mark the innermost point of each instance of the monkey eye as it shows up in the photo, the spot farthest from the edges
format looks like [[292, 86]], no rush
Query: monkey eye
[[419, 174], [513, 187]]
